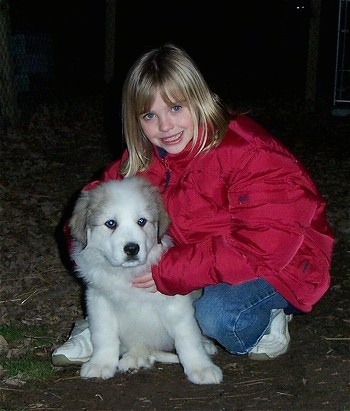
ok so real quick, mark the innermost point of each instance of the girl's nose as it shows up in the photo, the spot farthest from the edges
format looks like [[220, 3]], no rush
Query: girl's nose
[[165, 123]]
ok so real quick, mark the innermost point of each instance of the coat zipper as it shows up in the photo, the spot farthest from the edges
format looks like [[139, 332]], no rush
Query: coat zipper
[[167, 173], [163, 154]]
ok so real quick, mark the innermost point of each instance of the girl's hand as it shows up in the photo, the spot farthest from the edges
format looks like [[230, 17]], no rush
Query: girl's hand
[[145, 281]]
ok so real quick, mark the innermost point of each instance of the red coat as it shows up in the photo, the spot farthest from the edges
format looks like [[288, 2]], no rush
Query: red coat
[[244, 210]]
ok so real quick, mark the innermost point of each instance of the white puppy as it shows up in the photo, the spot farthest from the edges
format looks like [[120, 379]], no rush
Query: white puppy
[[119, 232]]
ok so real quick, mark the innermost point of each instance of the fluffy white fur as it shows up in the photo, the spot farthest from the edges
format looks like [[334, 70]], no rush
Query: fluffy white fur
[[119, 230]]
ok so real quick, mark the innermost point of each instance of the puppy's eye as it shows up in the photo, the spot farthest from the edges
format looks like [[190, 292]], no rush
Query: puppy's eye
[[112, 224], [142, 222]]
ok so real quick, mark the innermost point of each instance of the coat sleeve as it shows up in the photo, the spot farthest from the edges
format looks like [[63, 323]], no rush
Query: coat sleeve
[[277, 223], [185, 268]]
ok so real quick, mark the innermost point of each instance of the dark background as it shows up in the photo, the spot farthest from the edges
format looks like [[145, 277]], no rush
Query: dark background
[[246, 49]]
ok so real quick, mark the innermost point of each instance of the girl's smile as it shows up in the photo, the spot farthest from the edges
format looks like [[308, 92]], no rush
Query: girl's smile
[[172, 139]]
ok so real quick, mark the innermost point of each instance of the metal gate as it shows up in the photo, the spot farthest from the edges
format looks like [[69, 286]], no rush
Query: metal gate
[[341, 99]]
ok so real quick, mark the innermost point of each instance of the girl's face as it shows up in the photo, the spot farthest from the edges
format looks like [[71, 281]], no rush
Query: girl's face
[[168, 127]]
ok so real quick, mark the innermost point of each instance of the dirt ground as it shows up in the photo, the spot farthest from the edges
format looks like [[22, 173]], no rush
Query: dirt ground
[[42, 168]]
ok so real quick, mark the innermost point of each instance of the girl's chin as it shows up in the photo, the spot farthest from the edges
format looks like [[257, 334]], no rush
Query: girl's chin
[[173, 149]]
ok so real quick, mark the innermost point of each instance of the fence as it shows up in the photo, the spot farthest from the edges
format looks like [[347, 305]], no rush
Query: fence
[[50, 51], [342, 67]]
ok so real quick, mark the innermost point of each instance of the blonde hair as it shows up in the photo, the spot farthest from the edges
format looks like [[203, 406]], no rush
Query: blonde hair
[[170, 70]]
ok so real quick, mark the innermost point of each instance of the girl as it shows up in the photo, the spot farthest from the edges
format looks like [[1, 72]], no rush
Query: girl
[[248, 223]]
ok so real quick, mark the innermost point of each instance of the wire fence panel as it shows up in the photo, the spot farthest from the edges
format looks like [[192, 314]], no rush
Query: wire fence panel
[[8, 106], [342, 69], [48, 52]]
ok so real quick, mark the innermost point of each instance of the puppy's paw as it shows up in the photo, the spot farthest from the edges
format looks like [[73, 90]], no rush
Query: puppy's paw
[[209, 346], [211, 374], [92, 370], [134, 362]]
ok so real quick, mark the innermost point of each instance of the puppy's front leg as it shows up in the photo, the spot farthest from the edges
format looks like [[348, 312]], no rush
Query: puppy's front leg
[[104, 337], [193, 356]]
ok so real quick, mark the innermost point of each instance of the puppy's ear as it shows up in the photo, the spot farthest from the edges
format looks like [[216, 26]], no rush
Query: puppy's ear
[[154, 197], [163, 222], [163, 216], [78, 221]]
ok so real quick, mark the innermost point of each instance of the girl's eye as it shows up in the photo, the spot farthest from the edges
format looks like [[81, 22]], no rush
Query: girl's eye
[[141, 222], [148, 116], [111, 224], [176, 108]]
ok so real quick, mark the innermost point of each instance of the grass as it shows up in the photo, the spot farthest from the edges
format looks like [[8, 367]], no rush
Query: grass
[[22, 332], [27, 368], [28, 360]]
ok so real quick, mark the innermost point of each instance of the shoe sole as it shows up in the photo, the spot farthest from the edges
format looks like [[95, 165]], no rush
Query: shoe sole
[[61, 360], [265, 357]]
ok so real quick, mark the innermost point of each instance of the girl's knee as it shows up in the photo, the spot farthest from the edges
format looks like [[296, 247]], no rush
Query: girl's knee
[[226, 334], [236, 331], [237, 316], [219, 329]]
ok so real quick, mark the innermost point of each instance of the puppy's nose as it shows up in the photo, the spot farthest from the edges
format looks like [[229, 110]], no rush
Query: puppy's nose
[[131, 249]]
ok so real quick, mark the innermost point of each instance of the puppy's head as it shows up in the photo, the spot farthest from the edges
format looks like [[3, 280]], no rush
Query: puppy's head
[[90, 203]]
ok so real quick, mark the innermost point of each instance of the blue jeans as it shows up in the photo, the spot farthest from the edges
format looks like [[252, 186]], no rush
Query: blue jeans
[[236, 316]]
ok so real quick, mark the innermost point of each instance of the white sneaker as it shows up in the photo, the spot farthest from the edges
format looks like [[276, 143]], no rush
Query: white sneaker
[[276, 342], [77, 349]]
